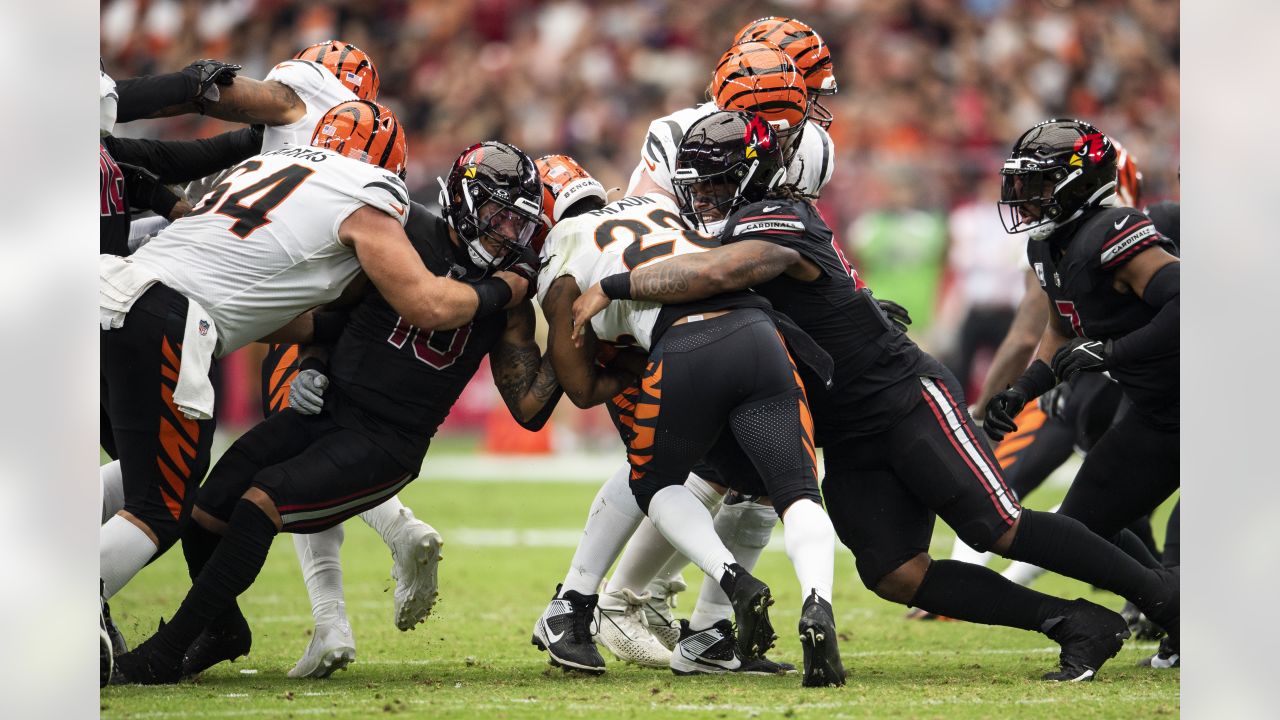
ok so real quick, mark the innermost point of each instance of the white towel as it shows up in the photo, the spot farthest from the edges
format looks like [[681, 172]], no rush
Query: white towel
[[194, 392], [120, 283]]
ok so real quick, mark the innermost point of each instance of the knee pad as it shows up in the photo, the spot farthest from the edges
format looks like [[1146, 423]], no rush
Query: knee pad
[[704, 491], [746, 524]]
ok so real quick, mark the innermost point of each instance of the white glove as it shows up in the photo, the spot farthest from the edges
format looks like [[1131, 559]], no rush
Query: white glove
[[306, 392]]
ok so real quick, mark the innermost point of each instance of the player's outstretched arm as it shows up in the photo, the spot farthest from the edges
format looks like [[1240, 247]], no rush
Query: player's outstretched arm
[[1019, 344], [255, 101], [584, 381], [524, 377], [428, 301], [696, 276]]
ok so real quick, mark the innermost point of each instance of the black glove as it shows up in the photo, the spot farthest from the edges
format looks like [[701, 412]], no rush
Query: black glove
[[1000, 412], [1080, 354], [205, 76], [145, 191], [1053, 402], [896, 313]]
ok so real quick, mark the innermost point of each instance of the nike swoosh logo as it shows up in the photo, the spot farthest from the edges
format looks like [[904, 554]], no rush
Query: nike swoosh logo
[[652, 166], [733, 664], [1121, 223], [553, 637], [398, 209], [769, 208]]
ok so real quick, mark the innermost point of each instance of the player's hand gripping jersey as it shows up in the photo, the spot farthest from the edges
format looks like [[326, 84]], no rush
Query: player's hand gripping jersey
[[621, 236], [262, 246], [810, 169]]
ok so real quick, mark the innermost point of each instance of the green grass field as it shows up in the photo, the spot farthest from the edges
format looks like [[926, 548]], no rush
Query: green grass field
[[472, 658]]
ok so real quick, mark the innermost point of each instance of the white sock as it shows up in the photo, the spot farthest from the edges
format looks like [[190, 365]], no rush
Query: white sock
[[320, 556], [962, 552], [613, 518], [1022, 573], [648, 552], [745, 528], [686, 524], [386, 519], [123, 550], [112, 489], [811, 545]]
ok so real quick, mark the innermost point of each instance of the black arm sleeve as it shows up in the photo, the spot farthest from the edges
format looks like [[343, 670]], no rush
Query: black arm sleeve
[[1161, 335], [177, 161], [145, 192], [143, 96]]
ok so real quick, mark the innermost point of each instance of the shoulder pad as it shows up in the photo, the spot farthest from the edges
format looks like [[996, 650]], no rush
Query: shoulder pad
[[1114, 236]]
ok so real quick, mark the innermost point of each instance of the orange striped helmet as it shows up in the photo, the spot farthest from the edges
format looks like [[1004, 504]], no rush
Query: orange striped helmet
[[1128, 177], [804, 46], [564, 183], [365, 131], [757, 77], [352, 65]]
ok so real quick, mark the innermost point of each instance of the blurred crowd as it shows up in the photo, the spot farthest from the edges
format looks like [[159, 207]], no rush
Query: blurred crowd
[[932, 93]]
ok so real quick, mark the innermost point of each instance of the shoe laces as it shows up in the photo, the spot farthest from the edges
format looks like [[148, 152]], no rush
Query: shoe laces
[[583, 618], [630, 620]]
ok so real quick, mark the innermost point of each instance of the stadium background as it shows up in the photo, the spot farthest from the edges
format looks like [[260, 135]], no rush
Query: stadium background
[[931, 95]]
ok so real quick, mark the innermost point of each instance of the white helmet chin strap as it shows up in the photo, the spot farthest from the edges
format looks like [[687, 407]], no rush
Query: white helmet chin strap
[[481, 257]]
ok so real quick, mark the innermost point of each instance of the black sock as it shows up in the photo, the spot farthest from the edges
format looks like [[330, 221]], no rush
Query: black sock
[[975, 593], [229, 571], [198, 545], [732, 572], [1135, 547], [1064, 545]]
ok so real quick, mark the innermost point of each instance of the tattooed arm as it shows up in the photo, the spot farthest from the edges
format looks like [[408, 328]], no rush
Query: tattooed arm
[[524, 377], [255, 101], [585, 382], [727, 268]]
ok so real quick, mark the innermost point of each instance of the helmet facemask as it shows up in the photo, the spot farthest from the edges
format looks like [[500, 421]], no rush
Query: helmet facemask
[[497, 231]]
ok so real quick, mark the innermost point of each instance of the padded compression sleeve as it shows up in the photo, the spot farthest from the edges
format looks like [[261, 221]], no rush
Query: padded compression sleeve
[[1161, 335]]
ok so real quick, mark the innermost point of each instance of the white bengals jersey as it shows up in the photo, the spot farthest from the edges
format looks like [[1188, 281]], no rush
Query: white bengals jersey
[[624, 235], [263, 247], [318, 89], [810, 168]]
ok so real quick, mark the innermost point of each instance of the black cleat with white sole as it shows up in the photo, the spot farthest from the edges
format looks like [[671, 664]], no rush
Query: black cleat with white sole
[[1166, 657], [822, 666], [1089, 635], [714, 651], [564, 632], [146, 665], [751, 600]]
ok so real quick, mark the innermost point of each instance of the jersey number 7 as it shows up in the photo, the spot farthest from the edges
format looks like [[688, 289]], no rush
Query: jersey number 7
[[278, 185]]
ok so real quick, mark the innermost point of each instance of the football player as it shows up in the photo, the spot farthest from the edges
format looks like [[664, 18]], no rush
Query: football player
[[287, 231], [362, 425], [694, 401], [899, 444], [1114, 283], [622, 626]]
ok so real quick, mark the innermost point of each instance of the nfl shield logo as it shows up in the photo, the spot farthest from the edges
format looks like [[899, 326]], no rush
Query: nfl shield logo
[[1040, 273], [204, 327]]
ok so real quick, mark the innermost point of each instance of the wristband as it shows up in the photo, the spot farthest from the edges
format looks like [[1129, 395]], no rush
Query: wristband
[[617, 287], [494, 294], [1036, 381], [327, 325]]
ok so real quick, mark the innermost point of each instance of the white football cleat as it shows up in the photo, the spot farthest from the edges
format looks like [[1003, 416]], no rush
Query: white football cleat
[[416, 552], [657, 611], [332, 648], [625, 631]]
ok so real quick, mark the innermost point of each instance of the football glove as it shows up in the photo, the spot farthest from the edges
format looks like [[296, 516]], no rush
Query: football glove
[[1000, 412], [896, 313], [207, 76], [306, 392], [1080, 354]]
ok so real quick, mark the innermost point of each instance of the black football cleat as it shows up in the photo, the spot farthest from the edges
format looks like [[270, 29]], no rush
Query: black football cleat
[[751, 600], [714, 651], [106, 656], [564, 632], [145, 665], [228, 642], [1089, 635], [1165, 658], [822, 666], [1166, 611]]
